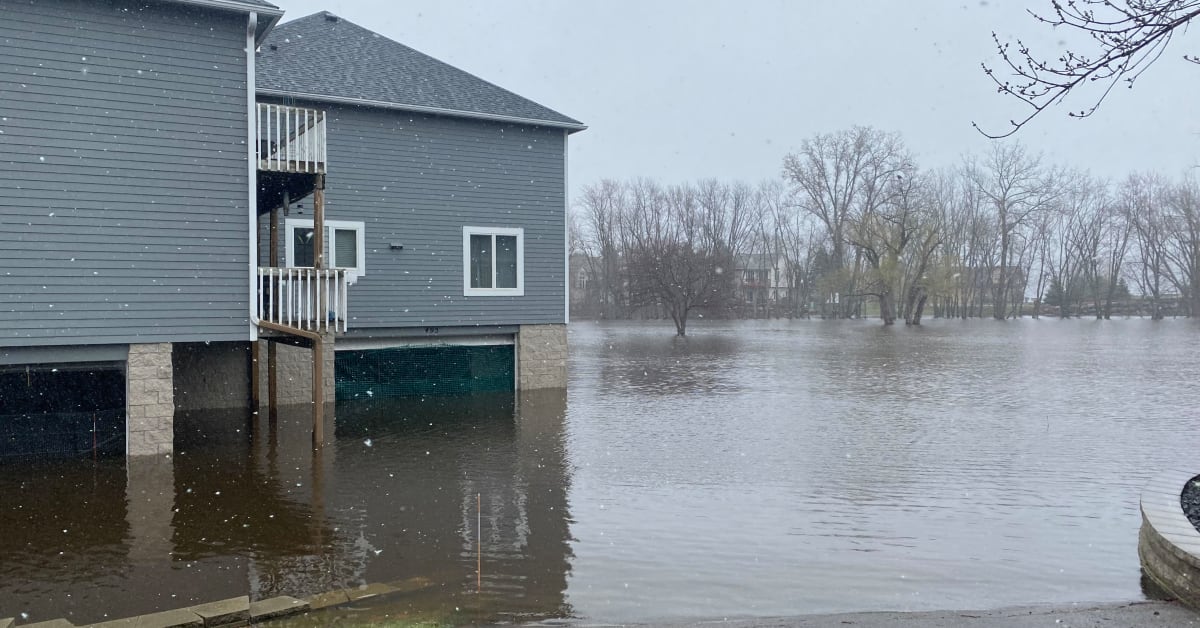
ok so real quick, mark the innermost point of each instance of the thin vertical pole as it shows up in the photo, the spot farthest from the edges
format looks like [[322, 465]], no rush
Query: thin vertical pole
[[279, 145], [272, 383], [274, 249], [478, 543], [318, 392], [255, 397]]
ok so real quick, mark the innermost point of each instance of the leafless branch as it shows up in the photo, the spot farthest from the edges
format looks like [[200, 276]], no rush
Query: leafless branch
[[1129, 35]]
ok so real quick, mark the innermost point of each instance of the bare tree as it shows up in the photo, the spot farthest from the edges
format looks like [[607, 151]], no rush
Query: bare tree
[[836, 177], [1183, 242], [1115, 232], [969, 232], [1017, 187], [1063, 262], [1126, 37], [678, 254], [795, 238], [602, 204], [936, 193], [1142, 202]]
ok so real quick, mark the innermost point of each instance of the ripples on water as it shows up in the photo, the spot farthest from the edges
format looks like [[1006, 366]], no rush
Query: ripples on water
[[755, 468], [781, 468]]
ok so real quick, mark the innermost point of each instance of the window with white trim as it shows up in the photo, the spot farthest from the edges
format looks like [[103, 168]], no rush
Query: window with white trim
[[344, 245], [493, 261]]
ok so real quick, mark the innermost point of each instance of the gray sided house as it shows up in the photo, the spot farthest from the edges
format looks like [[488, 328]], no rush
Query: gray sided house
[[189, 224]]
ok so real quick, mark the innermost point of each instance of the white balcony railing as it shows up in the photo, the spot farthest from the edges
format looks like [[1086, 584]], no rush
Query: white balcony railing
[[303, 298], [291, 139]]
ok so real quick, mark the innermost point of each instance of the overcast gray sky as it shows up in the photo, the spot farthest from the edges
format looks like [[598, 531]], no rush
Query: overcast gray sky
[[678, 90]]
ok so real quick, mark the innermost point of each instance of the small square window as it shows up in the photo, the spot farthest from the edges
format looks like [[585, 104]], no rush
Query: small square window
[[493, 261], [343, 245]]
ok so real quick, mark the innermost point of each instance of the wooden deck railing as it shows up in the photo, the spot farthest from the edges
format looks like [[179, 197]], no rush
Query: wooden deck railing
[[303, 298], [291, 139]]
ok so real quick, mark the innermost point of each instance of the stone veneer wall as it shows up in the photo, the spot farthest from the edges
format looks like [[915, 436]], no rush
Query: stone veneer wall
[[211, 375], [149, 400], [294, 369], [542, 357], [1168, 544]]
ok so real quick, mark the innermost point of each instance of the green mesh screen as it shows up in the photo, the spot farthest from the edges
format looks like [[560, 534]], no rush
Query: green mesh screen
[[413, 371], [62, 410]]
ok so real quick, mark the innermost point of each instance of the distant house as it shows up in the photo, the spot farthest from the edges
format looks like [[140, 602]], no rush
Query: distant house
[[194, 190], [761, 280], [585, 283]]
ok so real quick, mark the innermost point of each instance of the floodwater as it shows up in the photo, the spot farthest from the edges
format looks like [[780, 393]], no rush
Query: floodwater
[[752, 469]]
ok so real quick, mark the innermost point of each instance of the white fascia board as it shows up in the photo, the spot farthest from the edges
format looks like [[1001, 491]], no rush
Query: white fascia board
[[475, 115], [268, 17]]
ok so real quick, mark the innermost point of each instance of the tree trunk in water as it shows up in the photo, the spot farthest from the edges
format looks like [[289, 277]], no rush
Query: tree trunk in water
[[680, 318], [915, 306], [887, 310], [920, 308]]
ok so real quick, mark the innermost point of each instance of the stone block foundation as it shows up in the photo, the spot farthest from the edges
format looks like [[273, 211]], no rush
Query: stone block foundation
[[211, 375], [149, 400], [293, 369], [541, 357]]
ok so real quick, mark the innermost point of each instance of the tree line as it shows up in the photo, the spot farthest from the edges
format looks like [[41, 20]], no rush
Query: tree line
[[853, 226]]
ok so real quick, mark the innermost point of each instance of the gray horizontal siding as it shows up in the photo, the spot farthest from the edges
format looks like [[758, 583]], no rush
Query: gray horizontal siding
[[419, 180], [124, 196]]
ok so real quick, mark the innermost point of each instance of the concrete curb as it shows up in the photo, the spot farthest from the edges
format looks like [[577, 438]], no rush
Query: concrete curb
[[240, 611], [1168, 543]]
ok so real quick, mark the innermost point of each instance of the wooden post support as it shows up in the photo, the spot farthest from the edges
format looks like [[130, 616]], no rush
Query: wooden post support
[[318, 392], [255, 397], [318, 370], [319, 222], [272, 381], [272, 347]]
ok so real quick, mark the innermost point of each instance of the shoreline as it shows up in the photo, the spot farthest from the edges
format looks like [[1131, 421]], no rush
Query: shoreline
[[1149, 613]]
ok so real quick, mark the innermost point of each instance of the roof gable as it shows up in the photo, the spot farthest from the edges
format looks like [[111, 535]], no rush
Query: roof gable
[[325, 57]]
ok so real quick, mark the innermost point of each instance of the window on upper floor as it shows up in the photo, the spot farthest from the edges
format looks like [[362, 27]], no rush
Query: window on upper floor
[[493, 261], [344, 245]]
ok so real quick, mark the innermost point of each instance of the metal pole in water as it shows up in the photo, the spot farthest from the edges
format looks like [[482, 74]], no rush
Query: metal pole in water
[[478, 543]]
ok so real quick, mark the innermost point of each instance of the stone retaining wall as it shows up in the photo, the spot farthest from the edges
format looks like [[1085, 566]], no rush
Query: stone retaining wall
[[1168, 544], [542, 357], [149, 400]]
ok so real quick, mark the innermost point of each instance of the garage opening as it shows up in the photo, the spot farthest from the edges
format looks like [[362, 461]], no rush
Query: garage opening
[[424, 371], [62, 410]]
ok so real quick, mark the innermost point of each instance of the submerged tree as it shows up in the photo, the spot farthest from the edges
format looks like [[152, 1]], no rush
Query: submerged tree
[[842, 179], [678, 250], [1018, 188], [1128, 37]]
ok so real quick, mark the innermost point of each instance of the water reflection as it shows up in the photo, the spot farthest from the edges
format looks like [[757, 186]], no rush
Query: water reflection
[[247, 507], [667, 365], [761, 468]]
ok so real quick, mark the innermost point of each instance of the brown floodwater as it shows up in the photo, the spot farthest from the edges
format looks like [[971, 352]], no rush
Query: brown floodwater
[[752, 469]]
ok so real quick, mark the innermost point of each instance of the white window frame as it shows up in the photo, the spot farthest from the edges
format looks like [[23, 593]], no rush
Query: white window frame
[[331, 227], [468, 291]]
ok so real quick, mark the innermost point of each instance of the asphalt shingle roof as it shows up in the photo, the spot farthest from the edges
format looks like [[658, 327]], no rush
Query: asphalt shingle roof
[[322, 55]]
